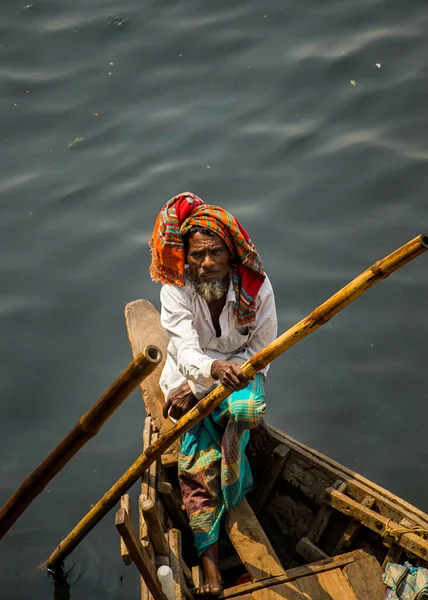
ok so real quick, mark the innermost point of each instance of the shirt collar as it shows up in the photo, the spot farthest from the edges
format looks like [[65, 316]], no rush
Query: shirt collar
[[231, 297]]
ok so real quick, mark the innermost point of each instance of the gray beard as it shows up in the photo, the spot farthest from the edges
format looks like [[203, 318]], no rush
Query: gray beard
[[212, 290]]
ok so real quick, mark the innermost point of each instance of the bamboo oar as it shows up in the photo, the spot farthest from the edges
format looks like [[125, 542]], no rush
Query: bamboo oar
[[318, 317], [87, 426]]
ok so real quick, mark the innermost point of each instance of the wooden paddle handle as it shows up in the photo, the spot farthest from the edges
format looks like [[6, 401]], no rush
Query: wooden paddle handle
[[87, 426]]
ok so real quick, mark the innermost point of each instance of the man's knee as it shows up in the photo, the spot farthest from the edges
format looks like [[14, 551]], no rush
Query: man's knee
[[248, 411]]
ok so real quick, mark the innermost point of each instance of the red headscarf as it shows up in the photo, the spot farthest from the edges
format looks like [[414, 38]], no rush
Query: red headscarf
[[176, 219]]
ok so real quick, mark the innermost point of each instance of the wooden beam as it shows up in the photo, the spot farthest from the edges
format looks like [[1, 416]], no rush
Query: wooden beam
[[251, 542], [138, 554], [296, 573], [273, 470], [352, 530], [177, 515], [321, 520], [124, 552], [154, 528], [309, 551], [376, 522]]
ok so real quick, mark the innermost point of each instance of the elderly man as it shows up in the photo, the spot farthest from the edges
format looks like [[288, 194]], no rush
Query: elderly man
[[218, 309]]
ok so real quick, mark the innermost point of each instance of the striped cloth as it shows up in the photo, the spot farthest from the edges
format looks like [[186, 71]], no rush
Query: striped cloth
[[176, 219], [405, 582], [213, 469]]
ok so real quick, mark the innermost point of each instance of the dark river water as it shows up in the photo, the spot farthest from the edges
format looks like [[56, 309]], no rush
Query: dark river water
[[307, 120]]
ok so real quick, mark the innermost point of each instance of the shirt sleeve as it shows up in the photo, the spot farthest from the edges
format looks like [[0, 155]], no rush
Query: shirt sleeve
[[177, 319], [265, 329]]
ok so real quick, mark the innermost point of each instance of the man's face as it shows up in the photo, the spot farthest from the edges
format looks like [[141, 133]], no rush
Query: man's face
[[208, 258]]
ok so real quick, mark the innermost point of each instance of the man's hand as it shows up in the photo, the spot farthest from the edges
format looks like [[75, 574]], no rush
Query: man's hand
[[229, 373], [179, 402]]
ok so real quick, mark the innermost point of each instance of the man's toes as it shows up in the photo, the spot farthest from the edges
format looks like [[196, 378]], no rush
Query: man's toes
[[216, 590]]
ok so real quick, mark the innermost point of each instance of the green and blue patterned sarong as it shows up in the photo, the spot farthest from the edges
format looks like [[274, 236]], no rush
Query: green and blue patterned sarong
[[213, 469]]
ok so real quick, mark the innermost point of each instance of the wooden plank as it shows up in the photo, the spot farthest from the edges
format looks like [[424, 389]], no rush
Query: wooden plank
[[124, 552], [197, 576], [327, 586], [177, 515], [376, 522], [251, 542], [365, 578], [297, 572], [309, 551], [273, 470], [181, 589], [143, 326], [138, 554], [352, 530], [321, 467], [154, 527], [284, 591]]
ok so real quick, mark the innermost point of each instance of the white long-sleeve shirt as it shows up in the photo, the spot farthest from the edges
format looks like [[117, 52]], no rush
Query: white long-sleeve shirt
[[194, 345]]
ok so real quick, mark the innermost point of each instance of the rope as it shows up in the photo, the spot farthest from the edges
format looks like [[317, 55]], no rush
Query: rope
[[400, 529]]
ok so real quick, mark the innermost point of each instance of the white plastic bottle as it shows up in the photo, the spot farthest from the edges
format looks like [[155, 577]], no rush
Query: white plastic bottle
[[167, 581]]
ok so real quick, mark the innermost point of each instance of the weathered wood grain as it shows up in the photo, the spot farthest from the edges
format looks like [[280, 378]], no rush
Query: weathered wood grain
[[251, 542], [331, 585], [365, 578]]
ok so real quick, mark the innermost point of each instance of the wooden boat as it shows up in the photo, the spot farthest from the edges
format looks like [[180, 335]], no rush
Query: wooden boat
[[309, 529]]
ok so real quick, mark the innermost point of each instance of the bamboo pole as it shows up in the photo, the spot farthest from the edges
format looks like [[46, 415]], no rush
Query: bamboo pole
[[321, 315], [86, 428]]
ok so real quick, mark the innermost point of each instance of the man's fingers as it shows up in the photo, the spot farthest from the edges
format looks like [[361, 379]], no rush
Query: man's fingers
[[166, 409]]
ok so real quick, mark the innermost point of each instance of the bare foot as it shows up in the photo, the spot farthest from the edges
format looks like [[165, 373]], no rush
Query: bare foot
[[259, 438], [213, 585]]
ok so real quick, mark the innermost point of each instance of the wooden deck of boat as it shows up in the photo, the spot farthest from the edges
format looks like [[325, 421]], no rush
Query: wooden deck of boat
[[353, 576]]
